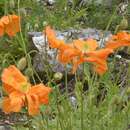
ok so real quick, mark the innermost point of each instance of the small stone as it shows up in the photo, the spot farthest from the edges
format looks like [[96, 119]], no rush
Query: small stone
[[73, 101], [2, 128]]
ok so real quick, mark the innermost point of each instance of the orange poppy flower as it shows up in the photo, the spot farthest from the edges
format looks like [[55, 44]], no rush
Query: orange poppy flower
[[79, 51], [11, 24], [119, 40], [21, 93]]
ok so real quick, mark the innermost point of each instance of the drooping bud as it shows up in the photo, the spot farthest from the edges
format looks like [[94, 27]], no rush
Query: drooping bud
[[22, 63]]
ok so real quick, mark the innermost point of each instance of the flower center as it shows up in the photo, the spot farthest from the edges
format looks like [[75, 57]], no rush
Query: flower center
[[25, 87], [85, 47]]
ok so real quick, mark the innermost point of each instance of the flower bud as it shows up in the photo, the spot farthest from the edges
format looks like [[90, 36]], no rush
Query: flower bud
[[36, 26], [124, 24], [44, 23], [58, 76], [128, 90], [22, 63]]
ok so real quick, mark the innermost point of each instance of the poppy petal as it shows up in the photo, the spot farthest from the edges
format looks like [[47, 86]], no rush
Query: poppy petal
[[5, 20], [42, 92], [102, 53], [13, 77], [51, 36], [49, 32], [8, 89], [65, 56], [121, 36], [116, 44], [88, 45], [100, 65], [1, 29], [6, 105], [33, 104], [14, 103], [13, 26]]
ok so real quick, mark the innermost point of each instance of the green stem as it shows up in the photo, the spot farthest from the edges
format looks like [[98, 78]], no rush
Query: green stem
[[42, 122], [110, 21], [66, 78], [82, 117], [5, 7], [109, 24], [29, 122], [82, 105], [59, 113]]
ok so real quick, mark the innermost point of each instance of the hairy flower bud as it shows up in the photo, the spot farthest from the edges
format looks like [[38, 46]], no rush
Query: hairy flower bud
[[22, 63]]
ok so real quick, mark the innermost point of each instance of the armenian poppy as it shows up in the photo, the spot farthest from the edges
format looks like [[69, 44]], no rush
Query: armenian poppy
[[21, 93], [79, 51], [9, 24]]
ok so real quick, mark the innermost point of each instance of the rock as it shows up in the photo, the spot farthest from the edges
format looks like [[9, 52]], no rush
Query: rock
[[2, 128], [5, 128]]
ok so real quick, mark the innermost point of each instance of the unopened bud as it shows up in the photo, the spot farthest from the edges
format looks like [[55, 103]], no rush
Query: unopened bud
[[45, 23], [23, 11], [58, 76], [36, 26], [124, 24], [22, 63]]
